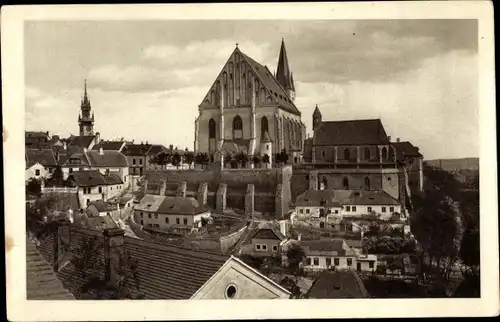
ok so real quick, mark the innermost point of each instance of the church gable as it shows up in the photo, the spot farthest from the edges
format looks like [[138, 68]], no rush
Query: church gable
[[236, 77], [237, 280]]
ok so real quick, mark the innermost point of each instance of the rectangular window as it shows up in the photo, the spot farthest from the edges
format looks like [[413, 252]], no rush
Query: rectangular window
[[369, 209], [328, 261], [347, 208], [264, 247], [371, 264], [177, 221], [307, 210], [185, 221], [336, 211], [349, 262], [353, 208], [156, 216], [166, 220], [100, 189], [149, 216], [37, 172], [383, 209], [142, 215], [391, 209], [140, 161], [275, 248], [257, 246], [336, 261], [88, 202], [133, 161], [70, 170], [309, 261], [316, 261], [301, 211]]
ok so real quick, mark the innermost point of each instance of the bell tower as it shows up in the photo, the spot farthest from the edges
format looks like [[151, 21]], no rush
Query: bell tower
[[284, 75], [316, 118], [86, 116]]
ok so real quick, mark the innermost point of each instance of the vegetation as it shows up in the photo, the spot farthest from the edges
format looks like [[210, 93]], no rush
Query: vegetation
[[34, 187], [266, 160], [202, 159], [176, 160], [57, 179], [282, 157], [388, 245], [295, 255], [256, 159], [189, 158], [242, 159]]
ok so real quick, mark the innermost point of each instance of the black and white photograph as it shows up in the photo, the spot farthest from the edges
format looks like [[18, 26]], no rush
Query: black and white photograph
[[253, 159]]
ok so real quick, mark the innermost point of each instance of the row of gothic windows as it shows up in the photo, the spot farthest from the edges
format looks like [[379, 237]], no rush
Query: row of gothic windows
[[237, 127], [367, 153], [345, 183]]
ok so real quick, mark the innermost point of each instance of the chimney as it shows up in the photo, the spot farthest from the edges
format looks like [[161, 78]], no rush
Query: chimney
[[114, 255], [397, 140], [101, 151], [389, 138], [171, 147], [47, 133], [65, 146], [97, 138]]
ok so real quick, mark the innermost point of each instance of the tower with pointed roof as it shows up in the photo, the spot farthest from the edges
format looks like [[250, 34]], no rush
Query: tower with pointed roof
[[284, 75], [86, 117], [317, 117], [245, 102]]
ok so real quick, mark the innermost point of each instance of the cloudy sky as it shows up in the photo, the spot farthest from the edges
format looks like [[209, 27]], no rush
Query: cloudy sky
[[146, 79]]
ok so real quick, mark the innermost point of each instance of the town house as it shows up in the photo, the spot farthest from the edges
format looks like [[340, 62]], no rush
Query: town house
[[40, 163], [92, 186]]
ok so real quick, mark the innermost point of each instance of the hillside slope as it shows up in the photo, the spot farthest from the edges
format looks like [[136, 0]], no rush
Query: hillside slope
[[455, 164]]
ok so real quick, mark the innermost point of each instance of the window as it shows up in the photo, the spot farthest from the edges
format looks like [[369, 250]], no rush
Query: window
[[257, 246], [166, 220], [323, 153], [346, 154], [391, 209], [177, 221], [384, 153], [307, 210], [348, 208], [336, 261], [100, 189], [264, 247], [316, 261], [264, 126], [369, 209], [133, 161], [349, 262], [37, 172], [156, 216], [328, 261], [70, 170], [370, 264], [88, 202], [275, 248], [383, 209], [237, 127], [367, 154], [211, 129], [308, 261], [141, 215], [185, 221], [323, 184], [336, 211], [140, 161], [367, 183], [353, 208], [301, 211], [231, 292], [345, 183], [149, 216]]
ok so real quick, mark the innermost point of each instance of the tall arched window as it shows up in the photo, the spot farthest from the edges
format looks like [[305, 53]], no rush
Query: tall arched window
[[237, 127], [346, 154], [211, 129], [367, 183], [264, 126], [367, 154], [384, 153], [323, 184], [345, 183]]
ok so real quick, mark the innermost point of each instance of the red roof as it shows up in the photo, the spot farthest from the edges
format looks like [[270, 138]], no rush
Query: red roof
[[354, 132]]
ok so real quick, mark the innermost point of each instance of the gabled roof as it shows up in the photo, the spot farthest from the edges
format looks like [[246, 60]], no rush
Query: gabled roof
[[354, 132], [107, 159], [337, 285], [268, 230], [89, 178], [101, 205], [36, 134], [325, 246], [150, 203], [109, 145], [84, 160], [406, 149], [41, 280], [113, 179], [317, 198], [81, 141], [155, 149], [43, 156], [136, 149], [180, 205], [100, 223]]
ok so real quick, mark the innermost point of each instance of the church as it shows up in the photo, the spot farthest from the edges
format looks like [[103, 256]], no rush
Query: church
[[248, 109]]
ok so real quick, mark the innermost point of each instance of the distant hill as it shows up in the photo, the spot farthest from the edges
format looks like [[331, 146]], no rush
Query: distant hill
[[455, 164]]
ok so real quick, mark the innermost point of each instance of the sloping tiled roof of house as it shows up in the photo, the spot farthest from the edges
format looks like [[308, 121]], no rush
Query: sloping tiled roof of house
[[155, 149], [109, 145], [100, 223], [41, 280], [405, 148], [81, 141], [36, 134], [354, 132], [113, 179], [268, 230], [150, 203], [80, 155], [317, 198], [43, 156], [89, 178], [101, 205], [269, 81], [180, 205], [337, 285], [107, 159], [136, 149], [172, 272], [65, 154], [326, 245]]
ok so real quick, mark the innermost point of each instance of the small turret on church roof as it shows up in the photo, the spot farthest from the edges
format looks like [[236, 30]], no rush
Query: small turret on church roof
[[265, 138]]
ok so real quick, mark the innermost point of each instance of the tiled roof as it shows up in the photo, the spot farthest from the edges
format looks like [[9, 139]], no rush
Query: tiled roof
[[43, 156], [180, 205], [89, 178], [170, 272], [326, 245], [107, 159], [136, 149], [81, 141], [78, 155], [155, 149], [100, 223], [109, 145], [354, 132], [277, 92], [405, 148], [314, 198], [113, 179], [268, 230], [101, 205], [41, 280], [337, 285], [36, 134], [265, 138], [150, 203]]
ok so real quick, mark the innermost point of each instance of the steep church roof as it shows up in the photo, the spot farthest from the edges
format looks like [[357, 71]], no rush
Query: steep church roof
[[284, 75], [354, 132]]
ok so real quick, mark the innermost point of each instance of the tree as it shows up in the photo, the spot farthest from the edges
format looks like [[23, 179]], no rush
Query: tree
[[176, 160], [266, 160], [163, 158], [242, 159], [57, 179], [34, 187], [189, 158], [227, 159], [295, 255], [256, 159]]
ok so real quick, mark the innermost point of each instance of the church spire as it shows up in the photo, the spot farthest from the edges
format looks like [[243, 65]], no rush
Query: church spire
[[283, 74]]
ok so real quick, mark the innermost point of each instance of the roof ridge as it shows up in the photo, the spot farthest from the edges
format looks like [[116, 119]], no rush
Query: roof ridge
[[354, 120]]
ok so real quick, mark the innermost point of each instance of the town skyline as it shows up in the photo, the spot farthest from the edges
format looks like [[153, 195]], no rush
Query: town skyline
[[428, 70]]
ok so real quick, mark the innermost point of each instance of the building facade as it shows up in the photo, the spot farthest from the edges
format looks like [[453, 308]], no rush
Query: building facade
[[245, 102]]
